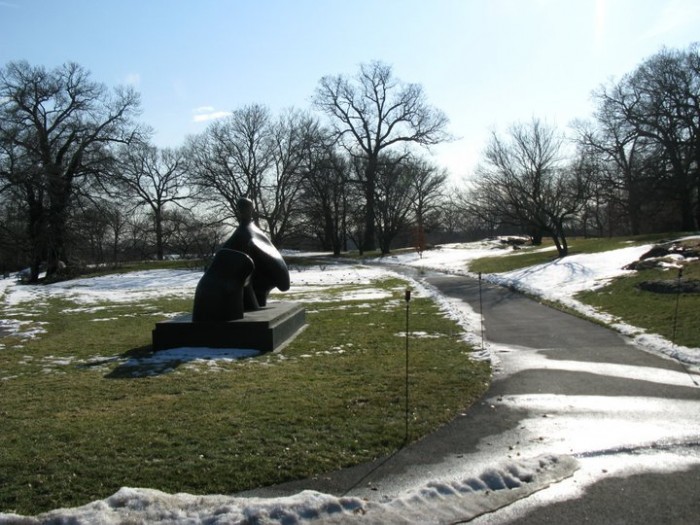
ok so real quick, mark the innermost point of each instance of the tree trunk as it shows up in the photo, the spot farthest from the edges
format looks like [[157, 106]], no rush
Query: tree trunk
[[158, 218], [687, 216], [536, 235], [338, 221], [385, 244], [697, 201], [560, 242], [36, 232], [634, 210], [55, 256], [60, 188], [369, 241], [115, 249]]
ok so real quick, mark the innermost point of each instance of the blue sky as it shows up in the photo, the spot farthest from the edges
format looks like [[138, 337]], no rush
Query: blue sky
[[485, 63]]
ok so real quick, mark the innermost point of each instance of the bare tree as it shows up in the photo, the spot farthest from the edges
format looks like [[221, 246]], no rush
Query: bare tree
[[462, 217], [326, 196], [154, 178], [624, 165], [116, 218], [60, 125], [356, 205], [660, 102], [622, 158], [524, 181], [89, 230], [13, 231], [373, 112], [293, 138], [229, 159], [427, 184], [211, 171], [253, 155], [394, 195], [193, 236], [138, 236]]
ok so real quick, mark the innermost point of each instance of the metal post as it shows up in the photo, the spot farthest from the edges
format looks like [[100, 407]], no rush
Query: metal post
[[678, 297], [481, 313], [408, 300]]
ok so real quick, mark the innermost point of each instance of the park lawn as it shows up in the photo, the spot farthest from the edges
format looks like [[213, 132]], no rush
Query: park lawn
[[82, 417], [673, 316]]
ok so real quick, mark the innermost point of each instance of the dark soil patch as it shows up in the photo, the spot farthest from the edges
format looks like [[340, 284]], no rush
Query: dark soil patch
[[671, 286]]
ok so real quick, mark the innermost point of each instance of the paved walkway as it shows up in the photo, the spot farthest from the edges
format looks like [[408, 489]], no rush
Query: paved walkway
[[565, 386]]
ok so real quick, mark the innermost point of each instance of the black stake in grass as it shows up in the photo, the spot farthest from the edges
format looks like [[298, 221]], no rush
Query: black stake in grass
[[678, 297], [481, 313], [408, 300]]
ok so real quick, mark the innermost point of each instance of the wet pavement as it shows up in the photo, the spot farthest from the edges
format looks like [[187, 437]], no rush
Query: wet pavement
[[563, 386]]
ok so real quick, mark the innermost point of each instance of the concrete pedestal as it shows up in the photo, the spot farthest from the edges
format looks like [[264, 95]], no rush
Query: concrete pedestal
[[265, 330]]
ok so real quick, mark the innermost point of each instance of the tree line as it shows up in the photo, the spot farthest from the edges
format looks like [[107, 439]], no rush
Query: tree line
[[82, 183], [632, 168]]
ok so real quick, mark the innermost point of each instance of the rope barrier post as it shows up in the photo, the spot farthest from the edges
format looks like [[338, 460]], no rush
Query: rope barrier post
[[408, 300], [678, 297], [481, 313]]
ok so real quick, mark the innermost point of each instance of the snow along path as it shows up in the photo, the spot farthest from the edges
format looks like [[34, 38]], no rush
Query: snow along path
[[557, 281], [568, 386], [444, 502]]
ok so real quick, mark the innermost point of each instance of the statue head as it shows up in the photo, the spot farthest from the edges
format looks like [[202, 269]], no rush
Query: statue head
[[245, 210]]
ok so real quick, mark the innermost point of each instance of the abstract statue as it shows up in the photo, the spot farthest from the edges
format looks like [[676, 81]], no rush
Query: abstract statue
[[242, 273]]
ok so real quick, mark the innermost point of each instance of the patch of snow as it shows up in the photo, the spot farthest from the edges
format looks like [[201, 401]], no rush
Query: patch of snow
[[449, 258], [197, 354], [456, 500], [420, 335], [115, 288], [560, 279]]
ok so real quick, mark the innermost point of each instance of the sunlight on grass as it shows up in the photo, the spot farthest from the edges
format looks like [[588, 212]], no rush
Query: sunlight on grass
[[674, 317], [74, 430]]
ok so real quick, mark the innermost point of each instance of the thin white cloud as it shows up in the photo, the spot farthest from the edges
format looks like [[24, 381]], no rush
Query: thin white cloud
[[675, 15], [133, 79], [207, 113]]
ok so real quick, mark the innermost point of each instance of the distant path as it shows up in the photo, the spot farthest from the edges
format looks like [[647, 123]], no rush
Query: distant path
[[563, 386]]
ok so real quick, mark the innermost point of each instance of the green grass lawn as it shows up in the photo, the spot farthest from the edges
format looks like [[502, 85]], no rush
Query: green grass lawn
[[675, 317], [79, 420]]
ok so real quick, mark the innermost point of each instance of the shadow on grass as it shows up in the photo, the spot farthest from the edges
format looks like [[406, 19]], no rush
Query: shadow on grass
[[144, 362]]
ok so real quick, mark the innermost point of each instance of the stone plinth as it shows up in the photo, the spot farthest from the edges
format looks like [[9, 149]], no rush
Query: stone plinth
[[265, 329]]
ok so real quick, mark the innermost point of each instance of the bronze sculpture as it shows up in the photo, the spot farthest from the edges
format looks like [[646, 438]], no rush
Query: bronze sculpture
[[242, 274]]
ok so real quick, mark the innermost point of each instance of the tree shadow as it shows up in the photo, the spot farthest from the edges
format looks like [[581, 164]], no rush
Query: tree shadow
[[143, 361]]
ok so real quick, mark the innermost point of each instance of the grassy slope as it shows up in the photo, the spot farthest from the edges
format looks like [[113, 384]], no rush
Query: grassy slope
[[78, 423], [675, 317]]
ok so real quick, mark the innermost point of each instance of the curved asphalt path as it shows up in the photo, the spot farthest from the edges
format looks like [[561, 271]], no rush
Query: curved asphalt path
[[472, 440]]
